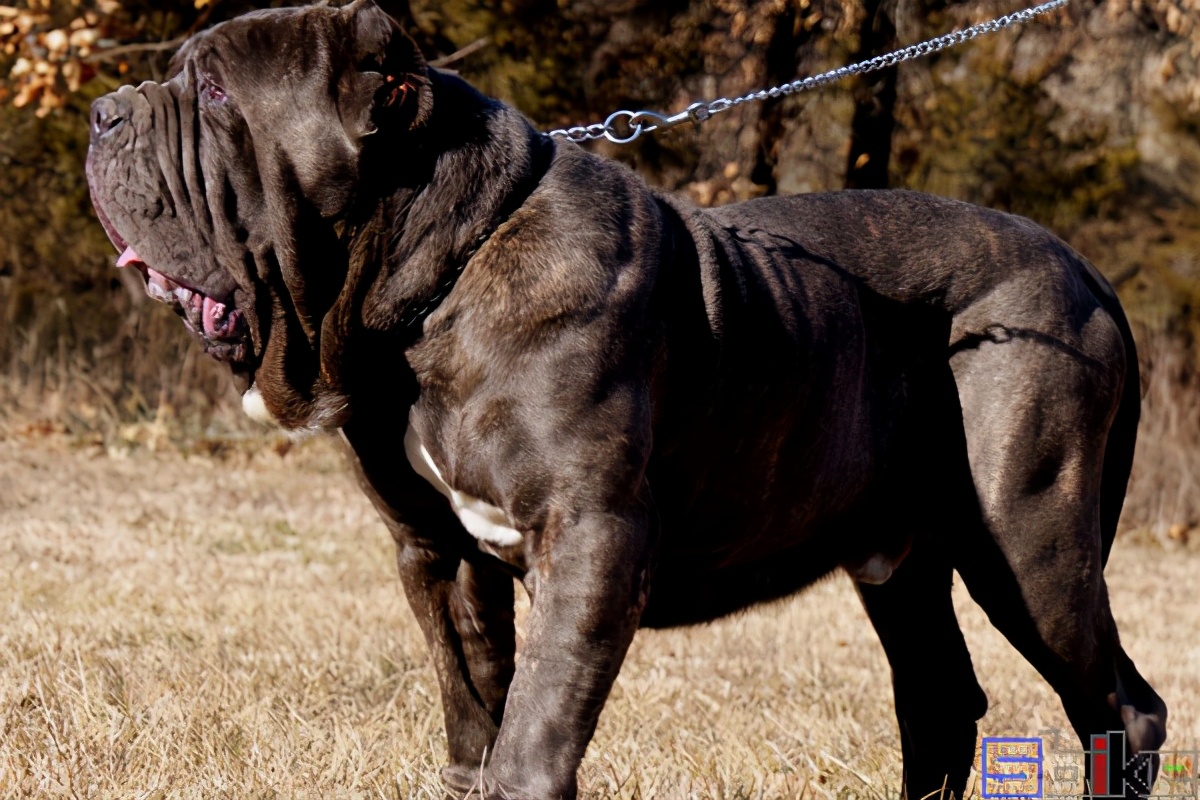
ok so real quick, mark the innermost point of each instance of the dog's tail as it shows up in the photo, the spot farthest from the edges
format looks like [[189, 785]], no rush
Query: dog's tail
[[1118, 452]]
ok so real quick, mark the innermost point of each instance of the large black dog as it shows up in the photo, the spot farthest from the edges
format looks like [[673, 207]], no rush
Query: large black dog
[[650, 414]]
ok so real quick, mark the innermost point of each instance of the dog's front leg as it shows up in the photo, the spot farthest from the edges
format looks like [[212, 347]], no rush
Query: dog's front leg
[[464, 609], [589, 583], [466, 614]]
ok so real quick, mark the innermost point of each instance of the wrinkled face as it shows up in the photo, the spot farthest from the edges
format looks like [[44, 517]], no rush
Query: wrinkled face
[[223, 185]]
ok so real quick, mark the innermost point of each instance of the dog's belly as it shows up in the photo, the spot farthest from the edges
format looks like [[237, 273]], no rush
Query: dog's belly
[[689, 588]]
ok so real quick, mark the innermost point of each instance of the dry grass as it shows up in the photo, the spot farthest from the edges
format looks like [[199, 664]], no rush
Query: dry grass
[[1164, 495], [191, 626]]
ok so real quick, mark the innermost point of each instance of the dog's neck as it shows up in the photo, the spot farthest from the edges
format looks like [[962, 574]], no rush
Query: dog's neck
[[430, 200], [483, 159]]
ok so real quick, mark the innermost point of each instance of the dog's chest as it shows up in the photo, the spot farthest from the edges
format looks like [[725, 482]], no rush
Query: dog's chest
[[482, 520]]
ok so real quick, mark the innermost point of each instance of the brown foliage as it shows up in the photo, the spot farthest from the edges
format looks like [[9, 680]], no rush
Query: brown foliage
[[1086, 122], [49, 62]]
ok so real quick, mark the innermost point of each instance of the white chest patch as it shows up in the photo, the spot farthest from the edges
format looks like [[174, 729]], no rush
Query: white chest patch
[[255, 408], [481, 519]]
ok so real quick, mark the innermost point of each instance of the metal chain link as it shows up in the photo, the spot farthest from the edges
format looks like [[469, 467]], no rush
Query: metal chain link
[[623, 127]]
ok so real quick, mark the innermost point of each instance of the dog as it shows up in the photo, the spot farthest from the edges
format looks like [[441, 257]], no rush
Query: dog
[[650, 414]]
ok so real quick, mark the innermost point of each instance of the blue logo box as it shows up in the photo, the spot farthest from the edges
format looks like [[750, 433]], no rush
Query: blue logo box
[[1011, 767]]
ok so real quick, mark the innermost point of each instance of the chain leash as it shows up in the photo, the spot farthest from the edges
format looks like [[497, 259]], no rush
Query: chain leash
[[623, 127]]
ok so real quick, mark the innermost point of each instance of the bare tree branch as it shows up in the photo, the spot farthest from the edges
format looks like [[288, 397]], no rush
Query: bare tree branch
[[141, 47], [461, 53]]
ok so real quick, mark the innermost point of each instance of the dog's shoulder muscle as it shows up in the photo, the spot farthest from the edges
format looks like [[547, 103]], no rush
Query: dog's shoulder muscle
[[543, 349]]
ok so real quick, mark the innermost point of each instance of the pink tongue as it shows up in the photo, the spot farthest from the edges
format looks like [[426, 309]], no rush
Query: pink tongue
[[127, 257]]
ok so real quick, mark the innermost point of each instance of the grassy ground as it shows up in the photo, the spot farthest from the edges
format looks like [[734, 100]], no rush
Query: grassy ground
[[231, 626]]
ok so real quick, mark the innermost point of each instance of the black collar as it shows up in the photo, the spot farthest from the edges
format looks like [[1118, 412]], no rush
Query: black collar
[[543, 153]]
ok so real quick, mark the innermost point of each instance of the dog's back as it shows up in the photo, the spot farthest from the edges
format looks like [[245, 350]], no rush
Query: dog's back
[[933, 256]]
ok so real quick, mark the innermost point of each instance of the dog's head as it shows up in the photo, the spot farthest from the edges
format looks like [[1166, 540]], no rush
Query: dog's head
[[229, 185]]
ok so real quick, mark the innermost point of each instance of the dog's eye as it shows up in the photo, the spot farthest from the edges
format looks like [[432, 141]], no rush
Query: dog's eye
[[210, 92]]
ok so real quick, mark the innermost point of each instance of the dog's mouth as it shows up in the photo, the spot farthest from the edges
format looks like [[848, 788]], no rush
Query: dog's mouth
[[220, 327]]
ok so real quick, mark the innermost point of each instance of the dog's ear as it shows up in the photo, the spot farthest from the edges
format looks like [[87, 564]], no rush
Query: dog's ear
[[387, 83]]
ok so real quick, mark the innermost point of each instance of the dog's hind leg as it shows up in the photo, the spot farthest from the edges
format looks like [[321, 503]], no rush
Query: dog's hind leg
[[1036, 412], [938, 699]]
